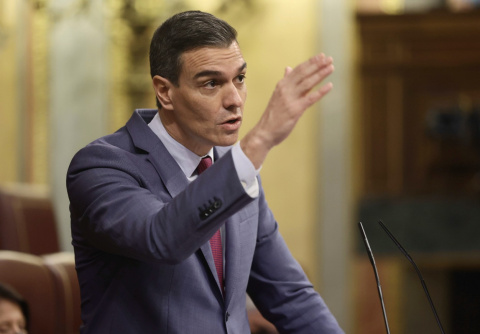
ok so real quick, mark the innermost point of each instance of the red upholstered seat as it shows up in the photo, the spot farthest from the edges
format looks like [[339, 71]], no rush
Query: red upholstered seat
[[27, 219], [62, 267], [28, 275]]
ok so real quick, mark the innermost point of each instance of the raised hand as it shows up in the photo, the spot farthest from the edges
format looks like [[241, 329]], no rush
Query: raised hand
[[293, 94]]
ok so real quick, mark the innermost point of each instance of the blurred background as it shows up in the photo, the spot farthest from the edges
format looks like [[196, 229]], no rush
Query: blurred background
[[397, 140]]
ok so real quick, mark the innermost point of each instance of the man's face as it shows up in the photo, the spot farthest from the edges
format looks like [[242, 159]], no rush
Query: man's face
[[207, 106]]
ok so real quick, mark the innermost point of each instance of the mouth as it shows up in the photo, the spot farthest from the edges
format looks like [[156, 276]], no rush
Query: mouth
[[233, 120], [232, 124]]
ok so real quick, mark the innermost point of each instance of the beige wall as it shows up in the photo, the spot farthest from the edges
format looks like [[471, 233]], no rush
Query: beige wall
[[23, 94], [8, 93], [284, 35]]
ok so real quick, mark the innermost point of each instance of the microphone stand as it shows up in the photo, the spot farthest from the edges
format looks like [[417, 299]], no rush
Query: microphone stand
[[424, 285], [377, 277]]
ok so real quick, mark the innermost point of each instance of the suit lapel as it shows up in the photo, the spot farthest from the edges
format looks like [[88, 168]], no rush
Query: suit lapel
[[206, 252], [169, 171], [157, 154]]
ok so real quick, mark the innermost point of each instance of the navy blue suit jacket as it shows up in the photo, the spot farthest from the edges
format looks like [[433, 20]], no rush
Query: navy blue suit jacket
[[140, 234]]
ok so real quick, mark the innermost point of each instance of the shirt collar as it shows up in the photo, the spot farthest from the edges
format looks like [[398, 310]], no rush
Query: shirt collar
[[186, 159]]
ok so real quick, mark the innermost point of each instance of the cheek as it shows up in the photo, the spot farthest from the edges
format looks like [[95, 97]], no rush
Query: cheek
[[199, 109], [189, 109], [202, 115], [205, 110]]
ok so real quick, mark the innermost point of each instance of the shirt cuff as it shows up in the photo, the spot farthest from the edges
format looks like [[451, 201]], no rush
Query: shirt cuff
[[246, 172]]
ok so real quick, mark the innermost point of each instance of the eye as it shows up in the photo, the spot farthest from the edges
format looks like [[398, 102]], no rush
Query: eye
[[211, 84], [241, 78]]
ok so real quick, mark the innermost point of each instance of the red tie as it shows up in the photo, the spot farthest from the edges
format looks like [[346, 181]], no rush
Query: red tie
[[216, 240]]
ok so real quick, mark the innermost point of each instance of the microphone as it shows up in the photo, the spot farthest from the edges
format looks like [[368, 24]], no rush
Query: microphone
[[377, 278], [424, 285]]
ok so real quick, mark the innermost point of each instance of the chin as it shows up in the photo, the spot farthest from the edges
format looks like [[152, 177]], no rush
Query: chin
[[226, 144], [228, 141]]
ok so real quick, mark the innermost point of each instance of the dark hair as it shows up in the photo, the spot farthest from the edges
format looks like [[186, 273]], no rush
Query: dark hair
[[184, 32], [11, 295]]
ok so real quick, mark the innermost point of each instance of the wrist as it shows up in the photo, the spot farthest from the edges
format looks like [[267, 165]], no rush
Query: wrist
[[255, 147]]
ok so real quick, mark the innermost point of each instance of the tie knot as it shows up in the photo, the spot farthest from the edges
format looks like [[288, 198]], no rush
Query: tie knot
[[204, 164]]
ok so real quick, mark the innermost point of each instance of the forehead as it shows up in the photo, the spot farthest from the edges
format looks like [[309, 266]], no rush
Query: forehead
[[219, 59], [9, 310]]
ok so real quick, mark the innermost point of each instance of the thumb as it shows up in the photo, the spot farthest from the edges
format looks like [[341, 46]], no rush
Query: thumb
[[288, 69]]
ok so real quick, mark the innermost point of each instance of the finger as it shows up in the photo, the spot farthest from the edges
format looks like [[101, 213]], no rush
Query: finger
[[288, 70], [317, 65], [314, 64], [309, 68], [308, 83], [315, 96]]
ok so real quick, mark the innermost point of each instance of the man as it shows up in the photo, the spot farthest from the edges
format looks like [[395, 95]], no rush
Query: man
[[13, 311], [162, 249]]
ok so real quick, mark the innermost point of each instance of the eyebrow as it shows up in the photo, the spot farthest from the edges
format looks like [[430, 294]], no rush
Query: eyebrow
[[211, 73]]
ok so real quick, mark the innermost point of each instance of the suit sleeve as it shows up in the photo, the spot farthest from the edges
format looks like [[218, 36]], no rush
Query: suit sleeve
[[279, 287], [114, 209]]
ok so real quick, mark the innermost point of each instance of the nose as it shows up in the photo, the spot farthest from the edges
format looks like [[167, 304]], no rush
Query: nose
[[15, 329], [18, 330], [234, 97]]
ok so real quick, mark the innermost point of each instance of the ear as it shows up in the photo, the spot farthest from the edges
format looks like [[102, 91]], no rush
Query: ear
[[162, 87]]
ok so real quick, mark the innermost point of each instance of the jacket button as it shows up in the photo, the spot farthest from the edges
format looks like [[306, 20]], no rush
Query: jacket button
[[227, 315]]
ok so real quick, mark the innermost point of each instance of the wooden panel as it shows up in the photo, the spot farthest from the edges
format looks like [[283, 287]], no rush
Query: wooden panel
[[435, 164], [412, 67]]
